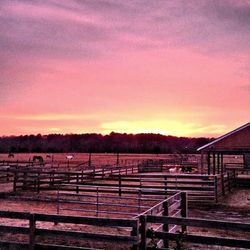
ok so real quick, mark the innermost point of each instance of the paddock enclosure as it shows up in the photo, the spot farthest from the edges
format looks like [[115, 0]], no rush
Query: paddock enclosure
[[127, 202]]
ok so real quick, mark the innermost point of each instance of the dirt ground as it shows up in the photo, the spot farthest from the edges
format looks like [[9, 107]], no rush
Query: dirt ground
[[234, 207]]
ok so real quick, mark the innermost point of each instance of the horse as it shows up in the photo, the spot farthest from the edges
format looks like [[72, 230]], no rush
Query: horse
[[69, 157], [38, 158], [11, 155]]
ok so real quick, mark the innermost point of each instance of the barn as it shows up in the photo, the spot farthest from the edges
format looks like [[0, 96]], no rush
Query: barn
[[228, 152]]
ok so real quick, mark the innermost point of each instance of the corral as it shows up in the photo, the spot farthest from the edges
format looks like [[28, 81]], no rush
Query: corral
[[99, 206]]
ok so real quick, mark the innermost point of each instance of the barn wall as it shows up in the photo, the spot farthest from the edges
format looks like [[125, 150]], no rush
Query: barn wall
[[240, 139]]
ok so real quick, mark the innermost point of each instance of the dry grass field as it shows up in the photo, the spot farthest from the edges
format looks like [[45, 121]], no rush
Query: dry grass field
[[97, 159]]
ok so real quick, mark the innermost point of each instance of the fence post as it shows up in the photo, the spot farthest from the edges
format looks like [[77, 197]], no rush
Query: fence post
[[58, 201], [97, 201], [165, 226], [135, 232], [184, 209], [77, 183], [120, 185], [32, 229], [139, 201], [38, 183], [15, 181], [216, 189], [143, 229], [166, 185], [24, 181], [53, 177], [8, 174]]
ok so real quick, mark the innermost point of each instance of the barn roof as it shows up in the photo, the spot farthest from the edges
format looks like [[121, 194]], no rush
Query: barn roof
[[237, 130]]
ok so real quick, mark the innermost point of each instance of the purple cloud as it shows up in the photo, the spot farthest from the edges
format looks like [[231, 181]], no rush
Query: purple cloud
[[83, 29]]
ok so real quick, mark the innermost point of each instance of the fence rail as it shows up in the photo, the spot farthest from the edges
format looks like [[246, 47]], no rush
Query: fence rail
[[167, 235], [32, 230]]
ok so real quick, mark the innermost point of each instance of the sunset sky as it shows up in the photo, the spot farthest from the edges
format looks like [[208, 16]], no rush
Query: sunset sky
[[178, 67]]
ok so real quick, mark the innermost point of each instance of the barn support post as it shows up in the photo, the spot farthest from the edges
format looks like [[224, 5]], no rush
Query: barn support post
[[222, 164], [220, 156], [218, 163], [202, 162], [216, 189], [208, 163], [214, 167]]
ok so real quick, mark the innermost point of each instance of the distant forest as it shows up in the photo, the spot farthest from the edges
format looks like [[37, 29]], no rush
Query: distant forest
[[97, 143]]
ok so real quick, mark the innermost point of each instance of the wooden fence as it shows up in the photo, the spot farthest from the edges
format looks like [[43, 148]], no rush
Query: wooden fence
[[184, 236], [160, 226], [32, 230], [200, 188], [31, 178], [174, 205]]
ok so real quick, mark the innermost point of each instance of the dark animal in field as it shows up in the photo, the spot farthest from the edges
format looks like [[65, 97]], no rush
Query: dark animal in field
[[48, 156], [186, 169], [11, 155], [38, 158]]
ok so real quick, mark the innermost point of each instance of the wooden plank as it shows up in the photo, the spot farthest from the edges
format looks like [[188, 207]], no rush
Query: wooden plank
[[14, 229], [13, 244], [14, 215], [86, 220], [207, 240], [60, 247], [174, 206], [78, 234], [233, 226]]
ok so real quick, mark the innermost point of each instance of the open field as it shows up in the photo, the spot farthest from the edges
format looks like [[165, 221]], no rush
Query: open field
[[101, 158]]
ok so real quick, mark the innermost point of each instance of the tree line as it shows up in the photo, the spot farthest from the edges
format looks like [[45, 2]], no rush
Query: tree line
[[98, 143]]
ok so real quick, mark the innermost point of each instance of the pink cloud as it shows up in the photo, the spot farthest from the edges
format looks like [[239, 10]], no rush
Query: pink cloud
[[123, 61]]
